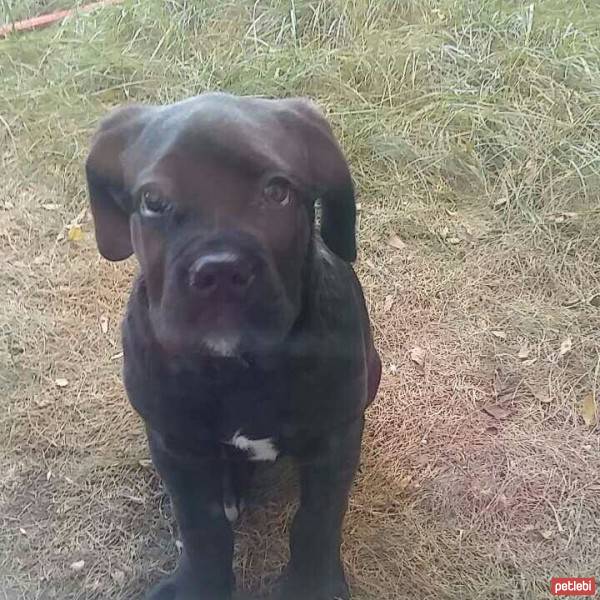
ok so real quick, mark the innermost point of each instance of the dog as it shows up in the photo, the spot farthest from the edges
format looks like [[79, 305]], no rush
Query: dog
[[246, 335]]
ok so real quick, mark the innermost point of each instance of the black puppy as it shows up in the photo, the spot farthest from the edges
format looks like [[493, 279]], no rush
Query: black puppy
[[246, 335]]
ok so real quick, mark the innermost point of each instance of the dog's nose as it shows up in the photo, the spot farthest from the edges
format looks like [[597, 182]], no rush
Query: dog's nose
[[225, 272]]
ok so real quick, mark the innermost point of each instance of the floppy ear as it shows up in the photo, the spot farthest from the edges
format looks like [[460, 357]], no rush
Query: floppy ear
[[109, 199], [332, 179]]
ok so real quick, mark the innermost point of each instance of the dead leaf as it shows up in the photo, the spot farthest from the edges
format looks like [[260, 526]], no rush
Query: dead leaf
[[503, 196], [502, 501], [523, 352], [104, 324], [531, 171], [422, 460], [389, 301], [547, 534], [496, 411], [397, 243], [501, 335], [589, 410], [75, 233], [78, 565], [118, 576], [566, 346], [541, 395], [417, 355], [61, 382], [506, 386], [562, 217], [405, 481], [439, 14]]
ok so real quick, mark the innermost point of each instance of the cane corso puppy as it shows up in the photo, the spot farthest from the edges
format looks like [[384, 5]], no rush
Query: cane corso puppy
[[246, 335]]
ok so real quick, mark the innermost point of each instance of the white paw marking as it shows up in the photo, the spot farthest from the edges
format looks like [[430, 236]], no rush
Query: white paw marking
[[257, 449], [231, 512]]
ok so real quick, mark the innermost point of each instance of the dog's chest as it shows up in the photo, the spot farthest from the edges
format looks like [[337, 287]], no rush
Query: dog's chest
[[245, 411], [252, 420]]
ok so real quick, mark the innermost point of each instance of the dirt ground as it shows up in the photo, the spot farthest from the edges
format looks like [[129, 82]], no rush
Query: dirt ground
[[473, 132]]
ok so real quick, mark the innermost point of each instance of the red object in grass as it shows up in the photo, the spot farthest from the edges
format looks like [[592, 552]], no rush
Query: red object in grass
[[45, 20]]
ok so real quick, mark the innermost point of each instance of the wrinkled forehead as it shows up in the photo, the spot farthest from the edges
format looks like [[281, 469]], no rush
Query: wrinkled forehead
[[200, 139]]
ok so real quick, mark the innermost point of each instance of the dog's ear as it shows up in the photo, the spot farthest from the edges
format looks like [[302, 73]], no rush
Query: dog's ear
[[109, 199], [331, 176]]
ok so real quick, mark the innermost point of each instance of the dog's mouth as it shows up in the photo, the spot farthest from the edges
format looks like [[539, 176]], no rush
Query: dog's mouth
[[218, 330], [227, 330]]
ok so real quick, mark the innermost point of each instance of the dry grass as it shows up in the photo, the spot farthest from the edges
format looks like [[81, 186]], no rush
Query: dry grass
[[473, 129]]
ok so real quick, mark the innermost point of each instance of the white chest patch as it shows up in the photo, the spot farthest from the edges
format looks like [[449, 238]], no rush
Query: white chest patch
[[257, 449]]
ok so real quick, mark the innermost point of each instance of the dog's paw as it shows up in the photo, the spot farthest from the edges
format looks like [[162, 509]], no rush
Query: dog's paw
[[324, 594], [180, 587], [233, 505], [236, 480], [297, 588], [165, 590]]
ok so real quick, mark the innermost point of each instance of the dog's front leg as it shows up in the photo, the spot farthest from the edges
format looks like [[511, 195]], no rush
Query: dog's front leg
[[204, 571], [315, 571]]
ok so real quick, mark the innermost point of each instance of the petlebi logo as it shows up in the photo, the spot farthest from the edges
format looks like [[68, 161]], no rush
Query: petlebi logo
[[573, 586]]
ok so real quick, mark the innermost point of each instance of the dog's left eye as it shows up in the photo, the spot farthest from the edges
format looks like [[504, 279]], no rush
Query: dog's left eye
[[278, 191], [153, 205]]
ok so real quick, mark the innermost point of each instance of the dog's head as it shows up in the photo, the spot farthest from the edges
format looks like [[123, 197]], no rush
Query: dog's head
[[215, 195]]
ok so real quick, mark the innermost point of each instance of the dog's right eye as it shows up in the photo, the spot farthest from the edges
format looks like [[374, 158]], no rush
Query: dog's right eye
[[153, 205], [278, 191]]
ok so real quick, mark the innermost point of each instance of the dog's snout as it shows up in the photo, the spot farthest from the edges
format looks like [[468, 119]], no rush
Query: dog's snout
[[220, 272]]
